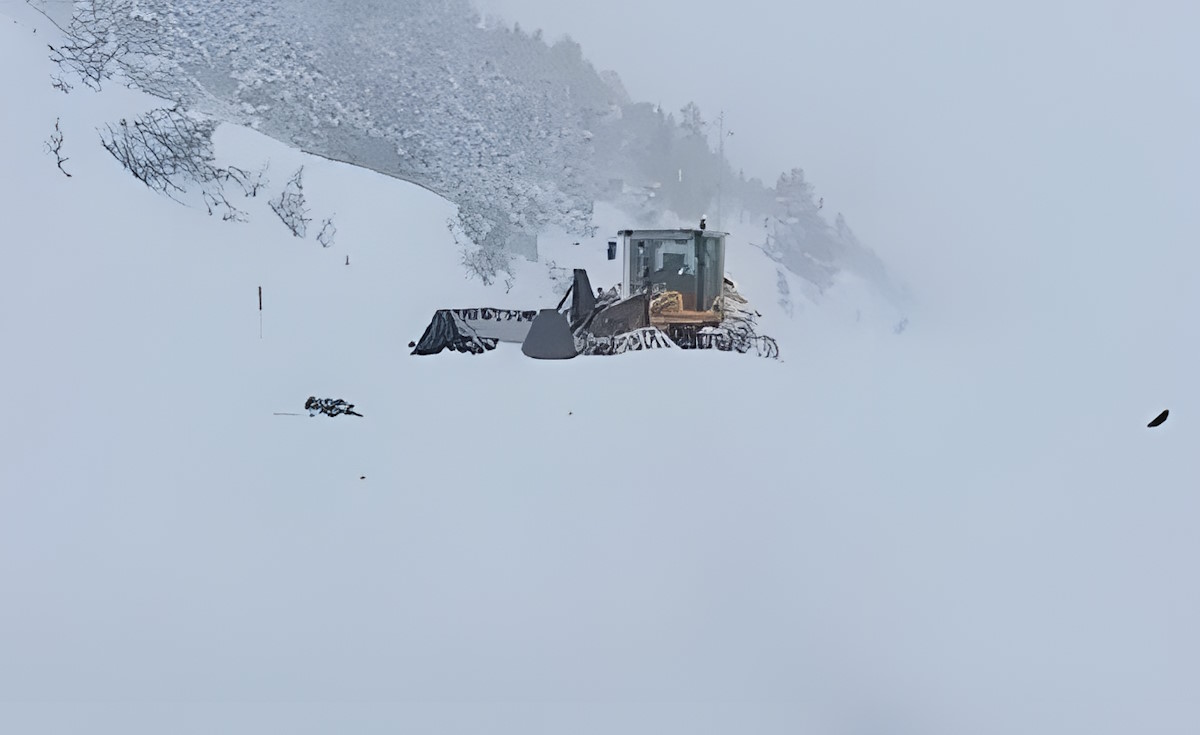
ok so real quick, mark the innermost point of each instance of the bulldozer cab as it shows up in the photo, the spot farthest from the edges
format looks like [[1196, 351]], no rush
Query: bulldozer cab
[[682, 272]]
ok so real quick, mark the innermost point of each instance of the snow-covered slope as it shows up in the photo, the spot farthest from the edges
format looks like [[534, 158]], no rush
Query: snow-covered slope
[[928, 533]]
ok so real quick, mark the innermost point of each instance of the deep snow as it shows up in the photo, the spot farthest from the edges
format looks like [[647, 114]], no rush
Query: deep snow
[[953, 530]]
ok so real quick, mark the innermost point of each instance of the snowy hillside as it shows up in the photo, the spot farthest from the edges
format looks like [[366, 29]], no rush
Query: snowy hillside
[[944, 531], [522, 135]]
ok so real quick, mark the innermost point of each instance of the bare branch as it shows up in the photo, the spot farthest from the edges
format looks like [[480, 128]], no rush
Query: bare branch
[[165, 149], [172, 153], [250, 183], [217, 201], [54, 145], [327, 233], [482, 262], [57, 82], [291, 206], [112, 38]]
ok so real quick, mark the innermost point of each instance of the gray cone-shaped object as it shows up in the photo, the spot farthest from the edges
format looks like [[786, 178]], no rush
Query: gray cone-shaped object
[[549, 337]]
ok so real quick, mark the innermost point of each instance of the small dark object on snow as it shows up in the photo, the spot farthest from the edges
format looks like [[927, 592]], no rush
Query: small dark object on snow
[[412, 344], [363, 477], [329, 407], [1158, 420]]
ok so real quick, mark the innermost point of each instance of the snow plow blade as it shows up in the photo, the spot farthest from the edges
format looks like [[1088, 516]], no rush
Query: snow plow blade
[[549, 337]]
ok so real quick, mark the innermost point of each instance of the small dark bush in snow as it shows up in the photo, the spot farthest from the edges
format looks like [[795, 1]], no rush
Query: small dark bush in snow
[[327, 233], [54, 145], [291, 206]]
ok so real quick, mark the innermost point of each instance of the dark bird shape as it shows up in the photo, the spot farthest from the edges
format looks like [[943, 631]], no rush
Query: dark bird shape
[[1158, 420]]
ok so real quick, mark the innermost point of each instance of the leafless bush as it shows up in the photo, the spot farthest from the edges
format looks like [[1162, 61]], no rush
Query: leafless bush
[[60, 84], [291, 206], [250, 183], [485, 263], [111, 38], [327, 233], [482, 262], [54, 145], [217, 201], [172, 153], [165, 149]]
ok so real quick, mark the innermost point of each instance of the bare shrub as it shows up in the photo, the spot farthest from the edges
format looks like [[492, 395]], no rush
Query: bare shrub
[[327, 233], [54, 146], [109, 39], [291, 206], [482, 262], [172, 153]]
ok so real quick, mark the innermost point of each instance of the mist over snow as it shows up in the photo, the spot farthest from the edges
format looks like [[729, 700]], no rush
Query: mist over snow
[[965, 527]]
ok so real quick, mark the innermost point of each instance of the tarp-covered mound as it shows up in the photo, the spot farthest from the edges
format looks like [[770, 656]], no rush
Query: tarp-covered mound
[[449, 331]]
